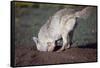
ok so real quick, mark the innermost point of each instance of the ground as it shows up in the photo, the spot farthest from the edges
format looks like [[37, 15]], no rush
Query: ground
[[27, 56]]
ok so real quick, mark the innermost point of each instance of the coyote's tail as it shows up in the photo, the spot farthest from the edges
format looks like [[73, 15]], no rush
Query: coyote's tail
[[84, 13]]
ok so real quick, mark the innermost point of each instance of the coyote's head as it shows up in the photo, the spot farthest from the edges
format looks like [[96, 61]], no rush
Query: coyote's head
[[41, 46]]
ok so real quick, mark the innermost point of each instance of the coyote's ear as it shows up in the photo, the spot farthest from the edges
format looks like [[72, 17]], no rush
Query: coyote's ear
[[35, 39]]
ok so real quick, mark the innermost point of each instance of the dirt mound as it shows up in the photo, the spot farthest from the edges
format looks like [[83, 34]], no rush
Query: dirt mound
[[26, 56]]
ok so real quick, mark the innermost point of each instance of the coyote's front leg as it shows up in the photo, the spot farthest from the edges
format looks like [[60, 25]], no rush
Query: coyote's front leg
[[65, 42], [51, 46], [68, 45], [70, 36]]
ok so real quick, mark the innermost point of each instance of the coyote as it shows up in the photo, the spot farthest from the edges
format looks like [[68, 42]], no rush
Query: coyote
[[59, 26]]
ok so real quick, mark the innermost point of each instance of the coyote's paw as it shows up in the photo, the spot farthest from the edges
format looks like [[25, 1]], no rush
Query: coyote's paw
[[68, 46], [60, 50]]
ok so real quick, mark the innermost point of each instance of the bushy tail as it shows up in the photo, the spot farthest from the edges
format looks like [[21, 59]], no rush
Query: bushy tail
[[84, 13]]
